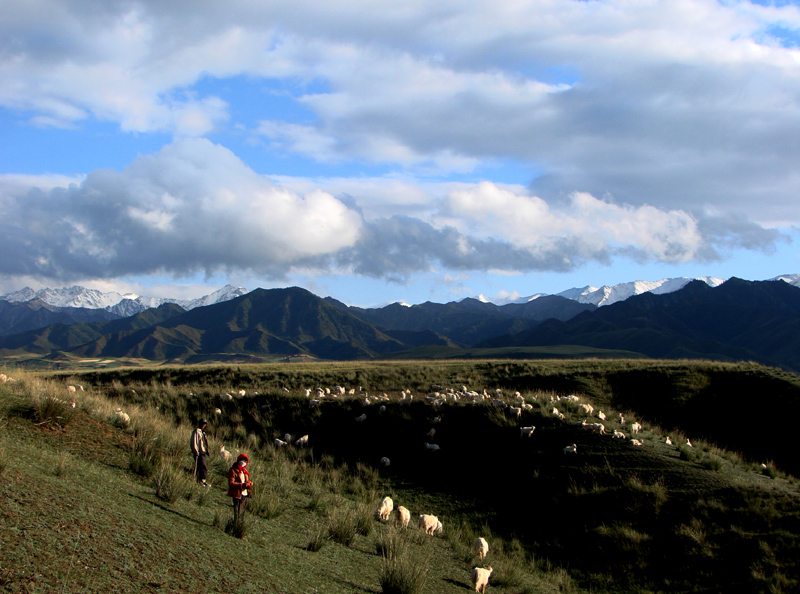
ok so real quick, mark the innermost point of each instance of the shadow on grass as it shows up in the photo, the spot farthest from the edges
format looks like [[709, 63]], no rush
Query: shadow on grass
[[358, 587], [172, 511]]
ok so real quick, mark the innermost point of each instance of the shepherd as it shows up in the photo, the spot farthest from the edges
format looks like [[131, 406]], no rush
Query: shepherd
[[199, 445], [239, 486]]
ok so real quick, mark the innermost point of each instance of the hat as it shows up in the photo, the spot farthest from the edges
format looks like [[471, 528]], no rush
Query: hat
[[243, 457], [203, 422]]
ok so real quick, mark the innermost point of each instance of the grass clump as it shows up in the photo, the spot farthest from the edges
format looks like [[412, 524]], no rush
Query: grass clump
[[170, 483], [237, 527], [343, 525], [403, 571], [318, 538]]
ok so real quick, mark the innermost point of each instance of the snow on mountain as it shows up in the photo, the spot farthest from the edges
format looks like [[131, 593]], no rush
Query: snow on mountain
[[792, 279], [123, 305], [606, 295]]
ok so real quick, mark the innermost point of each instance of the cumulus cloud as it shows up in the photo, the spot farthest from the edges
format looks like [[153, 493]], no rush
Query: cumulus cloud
[[193, 206]]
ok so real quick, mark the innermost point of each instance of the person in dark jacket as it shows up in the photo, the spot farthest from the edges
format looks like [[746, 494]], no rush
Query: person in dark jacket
[[239, 485], [199, 445]]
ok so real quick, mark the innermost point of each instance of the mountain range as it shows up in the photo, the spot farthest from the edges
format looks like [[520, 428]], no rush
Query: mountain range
[[684, 318]]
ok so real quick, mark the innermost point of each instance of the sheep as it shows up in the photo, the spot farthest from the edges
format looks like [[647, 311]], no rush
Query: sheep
[[3, 378], [242, 392], [225, 396], [558, 414], [432, 446], [314, 403], [307, 393], [621, 419], [361, 419], [385, 461], [431, 433], [226, 455], [689, 443], [618, 434], [302, 442], [430, 524], [635, 428], [526, 406], [385, 508], [636, 442], [382, 409], [526, 431], [593, 427], [279, 443], [480, 578], [515, 411], [403, 517], [288, 437], [571, 449], [480, 548], [668, 441], [121, 418], [601, 415], [71, 389], [586, 408], [217, 411]]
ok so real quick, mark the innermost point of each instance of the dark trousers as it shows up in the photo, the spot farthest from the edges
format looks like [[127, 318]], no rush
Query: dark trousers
[[239, 506], [201, 467]]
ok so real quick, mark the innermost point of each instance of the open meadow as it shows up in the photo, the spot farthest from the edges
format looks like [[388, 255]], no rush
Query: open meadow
[[97, 494]]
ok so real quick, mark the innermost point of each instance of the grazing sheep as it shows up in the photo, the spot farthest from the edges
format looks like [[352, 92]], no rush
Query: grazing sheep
[[618, 434], [432, 447], [571, 449], [402, 518], [385, 461], [3, 377], [480, 578], [217, 411], [122, 418], [526, 406], [636, 442], [307, 393], [480, 548], [242, 392], [361, 419], [226, 455], [689, 443], [515, 411], [593, 427], [601, 415], [288, 437], [668, 441], [313, 403], [279, 443], [430, 524], [71, 389], [558, 414], [385, 508], [526, 431], [226, 396], [635, 428], [586, 408], [302, 442]]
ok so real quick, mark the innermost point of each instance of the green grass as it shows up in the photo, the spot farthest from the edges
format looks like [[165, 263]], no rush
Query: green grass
[[114, 504]]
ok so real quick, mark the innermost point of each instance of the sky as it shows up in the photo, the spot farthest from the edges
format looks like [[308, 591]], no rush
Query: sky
[[379, 151]]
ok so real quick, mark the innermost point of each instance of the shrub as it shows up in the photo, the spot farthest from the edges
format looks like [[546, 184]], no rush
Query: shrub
[[48, 408], [237, 527], [319, 538]]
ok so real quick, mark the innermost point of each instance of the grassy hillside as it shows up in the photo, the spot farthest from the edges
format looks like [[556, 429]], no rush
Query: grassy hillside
[[112, 504]]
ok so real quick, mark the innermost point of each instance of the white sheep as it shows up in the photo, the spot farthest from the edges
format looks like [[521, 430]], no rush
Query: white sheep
[[403, 517], [480, 578], [71, 389], [636, 442], [601, 415], [288, 437], [217, 411], [385, 461], [307, 393], [668, 441], [242, 392], [480, 548], [526, 431], [557, 414], [279, 443], [526, 406], [362, 418], [226, 396], [586, 408], [571, 449], [302, 442], [385, 508], [121, 418], [635, 428], [382, 409], [432, 446], [593, 427], [314, 403], [515, 411], [689, 443], [430, 524], [618, 434], [431, 433], [226, 455]]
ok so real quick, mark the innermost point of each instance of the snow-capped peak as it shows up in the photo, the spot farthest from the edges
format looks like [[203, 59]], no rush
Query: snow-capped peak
[[606, 295], [792, 279]]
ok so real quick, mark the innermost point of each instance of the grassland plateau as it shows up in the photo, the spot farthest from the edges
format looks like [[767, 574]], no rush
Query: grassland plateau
[[92, 502]]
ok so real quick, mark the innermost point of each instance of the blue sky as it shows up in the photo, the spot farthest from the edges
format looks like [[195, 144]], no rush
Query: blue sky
[[378, 151]]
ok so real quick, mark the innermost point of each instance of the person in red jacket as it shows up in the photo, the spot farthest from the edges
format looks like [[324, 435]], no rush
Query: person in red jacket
[[239, 485]]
